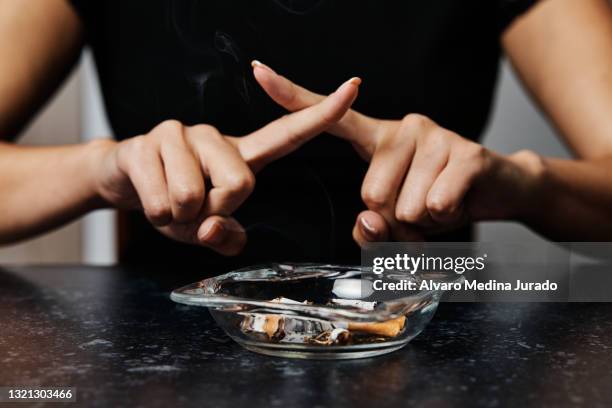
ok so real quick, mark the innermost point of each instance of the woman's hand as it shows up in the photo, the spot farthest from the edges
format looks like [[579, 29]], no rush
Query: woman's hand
[[423, 179], [189, 180]]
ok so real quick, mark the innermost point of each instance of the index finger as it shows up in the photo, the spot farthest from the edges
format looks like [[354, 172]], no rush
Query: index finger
[[353, 126], [283, 136]]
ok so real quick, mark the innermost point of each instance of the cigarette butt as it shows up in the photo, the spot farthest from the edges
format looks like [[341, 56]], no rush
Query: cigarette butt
[[390, 328], [271, 325]]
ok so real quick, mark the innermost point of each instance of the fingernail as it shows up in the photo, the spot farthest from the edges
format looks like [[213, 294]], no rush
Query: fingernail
[[260, 64], [214, 234], [368, 230], [356, 81]]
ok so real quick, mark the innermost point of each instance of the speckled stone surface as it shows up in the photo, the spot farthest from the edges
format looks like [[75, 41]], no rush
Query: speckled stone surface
[[114, 334]]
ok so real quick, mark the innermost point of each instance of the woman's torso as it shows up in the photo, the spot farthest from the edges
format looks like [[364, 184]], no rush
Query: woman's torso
[[190, 60]]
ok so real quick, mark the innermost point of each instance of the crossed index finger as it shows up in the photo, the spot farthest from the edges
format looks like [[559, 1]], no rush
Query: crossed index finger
[[353, 126], [283, 136]]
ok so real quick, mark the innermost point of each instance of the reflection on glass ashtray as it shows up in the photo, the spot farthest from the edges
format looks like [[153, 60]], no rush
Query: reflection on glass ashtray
[[313, 311]]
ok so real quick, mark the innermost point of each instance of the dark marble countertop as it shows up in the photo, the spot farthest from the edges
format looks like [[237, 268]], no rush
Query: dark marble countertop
[[114, 334]]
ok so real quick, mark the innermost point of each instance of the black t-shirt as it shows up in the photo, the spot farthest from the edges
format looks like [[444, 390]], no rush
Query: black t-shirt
[[190, 60]]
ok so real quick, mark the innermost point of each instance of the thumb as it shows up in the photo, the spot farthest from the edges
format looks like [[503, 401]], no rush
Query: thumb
[[222, 234], [372, 227]]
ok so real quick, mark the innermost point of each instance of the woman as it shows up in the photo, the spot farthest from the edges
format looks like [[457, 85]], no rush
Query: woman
[[177, 80]]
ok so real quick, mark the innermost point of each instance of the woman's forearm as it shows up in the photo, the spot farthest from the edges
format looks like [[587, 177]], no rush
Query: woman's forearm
[[572, 200], [45, 187]]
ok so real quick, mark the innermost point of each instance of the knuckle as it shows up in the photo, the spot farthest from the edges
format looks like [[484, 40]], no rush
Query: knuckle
[[207, 130], [189, 195], [242, 184], [175, 137], [138, 146], [416, 121], [535, 164], [527, 156], [373, 198], [474, 151], [434, 142], [436, 138], [407, 214], [202, 134], [438, 205], [170, 126], [158, 211], [478, 159]]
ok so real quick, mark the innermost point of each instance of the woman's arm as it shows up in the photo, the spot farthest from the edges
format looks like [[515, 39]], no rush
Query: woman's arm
[[40, 42], [40, 187], [44, 187], [562, 50]]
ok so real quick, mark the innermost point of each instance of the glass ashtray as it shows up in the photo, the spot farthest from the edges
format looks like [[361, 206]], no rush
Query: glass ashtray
[[314, 311]]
